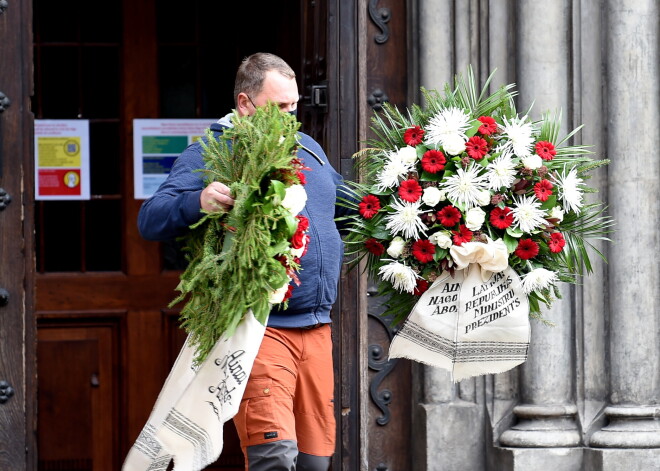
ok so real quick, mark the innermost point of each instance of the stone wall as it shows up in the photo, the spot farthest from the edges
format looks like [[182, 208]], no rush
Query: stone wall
[[588, 398]]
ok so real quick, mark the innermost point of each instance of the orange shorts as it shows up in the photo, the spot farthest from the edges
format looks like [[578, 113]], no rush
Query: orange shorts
[[289, 395]]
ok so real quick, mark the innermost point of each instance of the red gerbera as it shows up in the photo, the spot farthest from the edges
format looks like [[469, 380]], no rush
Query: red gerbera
[[423, 250], [433, 161], [543, 190], [462, 235], [476, 147], [413, 136], [374, 247], [422, 286], [449, 216], [501, 218], [546, 150], [301, 177], [410, 190], [556, 242], [526, 249], [488, 125], [369, 206]]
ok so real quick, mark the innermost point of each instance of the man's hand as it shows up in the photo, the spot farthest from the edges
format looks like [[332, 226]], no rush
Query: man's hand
[[216, 197]]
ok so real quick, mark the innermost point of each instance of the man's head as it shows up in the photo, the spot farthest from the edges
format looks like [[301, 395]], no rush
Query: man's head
[[263, 78]]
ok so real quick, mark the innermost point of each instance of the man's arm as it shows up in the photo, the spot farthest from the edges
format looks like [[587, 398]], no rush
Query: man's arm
[[179, 200]]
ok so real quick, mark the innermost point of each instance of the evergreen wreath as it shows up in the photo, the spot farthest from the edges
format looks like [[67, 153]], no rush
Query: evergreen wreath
[[244, 259]]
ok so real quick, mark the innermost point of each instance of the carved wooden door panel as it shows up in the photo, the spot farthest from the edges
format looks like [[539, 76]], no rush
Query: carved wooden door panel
[[390, 77]]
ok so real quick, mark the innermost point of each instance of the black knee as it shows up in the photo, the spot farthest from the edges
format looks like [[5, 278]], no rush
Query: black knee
[[312, 463], [273, 456]]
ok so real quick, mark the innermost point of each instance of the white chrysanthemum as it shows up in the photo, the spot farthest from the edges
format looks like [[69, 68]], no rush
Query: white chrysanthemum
[[392, 172], [501, 172], [403, 278], [448, 124], [518, 136], [569, 190], [538, 279], [465, 187], [295, 198], [406, 219], [527, 213]]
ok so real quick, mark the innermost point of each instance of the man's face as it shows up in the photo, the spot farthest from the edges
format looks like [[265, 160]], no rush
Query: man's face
[[277, 88]]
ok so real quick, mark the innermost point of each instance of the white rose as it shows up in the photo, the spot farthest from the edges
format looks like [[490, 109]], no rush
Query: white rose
[[532, 162], [295, 198], [408, 155], [277, 296], [454, 145], [396, 247], [475, 218], [557, 213], [432, 196], [441, 239], [484, 198]]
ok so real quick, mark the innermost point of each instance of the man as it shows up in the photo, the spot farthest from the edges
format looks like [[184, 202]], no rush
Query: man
[[286, 418]]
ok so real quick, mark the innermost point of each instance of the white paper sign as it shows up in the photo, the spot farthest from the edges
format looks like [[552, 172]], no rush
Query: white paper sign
[[61, 159], [156, 145]]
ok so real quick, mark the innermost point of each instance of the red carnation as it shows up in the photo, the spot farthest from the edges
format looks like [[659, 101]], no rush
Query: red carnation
[[422, 286], [546, 150], [526, 249], [369, 206], [433, 161], [449, 216], [307, 239], [413, 136], [303, 222], [488, 125], [462, 235], [423, 250], [289, 293], [298, 240], [543, 190], [556, 242], [501, 218], [476, 147], [410, 190], [301, 177], [374, 247]]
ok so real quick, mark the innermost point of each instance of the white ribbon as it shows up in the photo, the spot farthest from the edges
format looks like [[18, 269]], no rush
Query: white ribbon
[[491, 256]]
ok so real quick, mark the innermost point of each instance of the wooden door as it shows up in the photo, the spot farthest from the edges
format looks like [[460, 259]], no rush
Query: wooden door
[[106, 339], [17, 329]]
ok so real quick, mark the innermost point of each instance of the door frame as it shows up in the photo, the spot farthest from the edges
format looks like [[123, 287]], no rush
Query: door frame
[[17, 321]]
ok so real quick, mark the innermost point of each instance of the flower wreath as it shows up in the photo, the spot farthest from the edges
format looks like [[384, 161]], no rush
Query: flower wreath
[[246, 258], [468, 168]]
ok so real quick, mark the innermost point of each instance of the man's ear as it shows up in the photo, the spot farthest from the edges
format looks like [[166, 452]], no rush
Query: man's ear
[[243, 105]]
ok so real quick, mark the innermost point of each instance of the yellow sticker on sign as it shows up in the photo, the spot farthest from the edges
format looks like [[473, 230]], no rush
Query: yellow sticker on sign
[[59, 151]]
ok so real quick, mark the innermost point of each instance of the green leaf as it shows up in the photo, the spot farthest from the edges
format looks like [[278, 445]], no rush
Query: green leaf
[[510, 242], [517, 233]]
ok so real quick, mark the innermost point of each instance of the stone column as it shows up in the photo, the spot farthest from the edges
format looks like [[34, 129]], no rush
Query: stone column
[[547, 413], [634, 195]]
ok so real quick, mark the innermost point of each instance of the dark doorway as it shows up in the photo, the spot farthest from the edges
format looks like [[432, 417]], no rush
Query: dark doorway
[[105, 337]]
